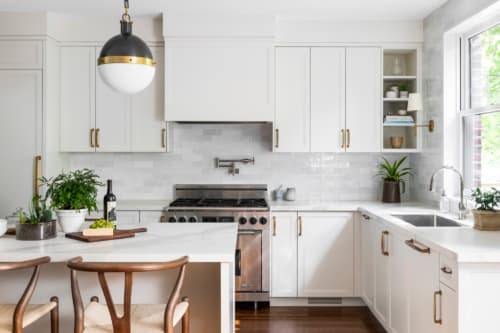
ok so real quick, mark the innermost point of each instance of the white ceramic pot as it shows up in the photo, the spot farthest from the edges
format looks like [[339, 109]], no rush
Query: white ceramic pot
[[71, 220], [3, 227]]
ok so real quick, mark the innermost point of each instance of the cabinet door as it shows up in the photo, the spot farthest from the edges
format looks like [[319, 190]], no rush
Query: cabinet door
[[151, 217], [423, 282], [148, 126], [292, 116], [382, 272], [112, 118], [363, 99], [367, 260], [325, 255], [77, 98], [284, 255], [449, 310], [327, 99], [20, 135], [399, 276], [21, 54]]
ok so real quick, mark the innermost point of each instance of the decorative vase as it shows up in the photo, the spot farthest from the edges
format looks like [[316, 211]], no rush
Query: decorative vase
[[486, 220], [403, 94], [396, 69], [392, 192], [71, 220], [397, 142], [40, 231]]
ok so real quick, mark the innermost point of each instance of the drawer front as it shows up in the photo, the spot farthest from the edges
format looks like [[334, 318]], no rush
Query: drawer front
[[148, 217], [448, 272], [21, 55]]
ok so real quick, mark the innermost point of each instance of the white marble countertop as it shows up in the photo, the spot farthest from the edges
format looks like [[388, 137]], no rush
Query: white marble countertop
[[202, 242]]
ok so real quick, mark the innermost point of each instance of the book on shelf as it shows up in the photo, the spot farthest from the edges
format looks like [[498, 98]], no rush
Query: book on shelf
[[399, 120]]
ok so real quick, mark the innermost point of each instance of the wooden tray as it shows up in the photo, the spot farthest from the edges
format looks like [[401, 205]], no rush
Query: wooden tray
[[118, 234]]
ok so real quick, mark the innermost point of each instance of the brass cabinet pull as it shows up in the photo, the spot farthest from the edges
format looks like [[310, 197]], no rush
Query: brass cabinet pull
[[446, 270], [342, 137], [348, 131], [300, 225], [274, 225], [417, 246], [383, 244], [38, 175], [92, 145], [97, 145], [436, 320], [277, 138], [164, 138], [366, 217]]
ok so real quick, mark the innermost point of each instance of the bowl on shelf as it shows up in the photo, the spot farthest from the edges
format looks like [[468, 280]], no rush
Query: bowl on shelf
[[402, 112], [391, 94], [397, 142]]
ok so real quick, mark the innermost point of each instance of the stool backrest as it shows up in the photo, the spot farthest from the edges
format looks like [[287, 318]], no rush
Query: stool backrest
[[123, 324]]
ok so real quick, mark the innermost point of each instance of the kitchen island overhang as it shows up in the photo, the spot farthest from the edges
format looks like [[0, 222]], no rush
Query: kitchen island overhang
[[209, 279]]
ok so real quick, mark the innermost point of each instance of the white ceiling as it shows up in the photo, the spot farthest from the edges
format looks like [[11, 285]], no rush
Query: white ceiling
[[322, 9]]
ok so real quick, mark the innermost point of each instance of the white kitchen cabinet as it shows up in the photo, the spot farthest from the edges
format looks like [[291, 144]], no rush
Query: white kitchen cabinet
[[284, 254], [448, 305], [219, 80], [151, 216], [367, 260], [363, 101], [95, 118], [381, 303], [327, 99], [77, 99], [292, 114], [21, 54], [325, 254], [399, 283], [20, 136]]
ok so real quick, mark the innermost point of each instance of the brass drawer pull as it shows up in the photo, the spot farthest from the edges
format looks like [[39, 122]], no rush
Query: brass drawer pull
[[417, 246], [300, 226], [277, 138], [366, 217], [274, 225], [348, 131], [342, 137], [97, 131], [383, 244], [38, 175], [446, 270], [92, 136], [164, 138], [436, 320]]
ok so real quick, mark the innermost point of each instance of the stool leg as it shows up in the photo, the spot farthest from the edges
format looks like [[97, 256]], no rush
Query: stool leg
[[185, 318], [54, 316]]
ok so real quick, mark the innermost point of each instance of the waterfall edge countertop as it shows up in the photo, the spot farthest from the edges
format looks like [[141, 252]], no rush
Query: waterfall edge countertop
[[202, 242]]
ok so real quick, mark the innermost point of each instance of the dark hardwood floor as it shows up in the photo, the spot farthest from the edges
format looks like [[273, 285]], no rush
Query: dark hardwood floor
[[306, 320]]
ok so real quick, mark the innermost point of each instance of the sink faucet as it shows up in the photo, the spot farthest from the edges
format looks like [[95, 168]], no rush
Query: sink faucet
[[461, 206]]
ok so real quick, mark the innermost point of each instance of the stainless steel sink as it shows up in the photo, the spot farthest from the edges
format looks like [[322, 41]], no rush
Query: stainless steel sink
[[428, 220]]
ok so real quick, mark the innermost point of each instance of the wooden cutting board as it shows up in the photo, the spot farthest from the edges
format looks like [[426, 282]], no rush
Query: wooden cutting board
[[118, 234]]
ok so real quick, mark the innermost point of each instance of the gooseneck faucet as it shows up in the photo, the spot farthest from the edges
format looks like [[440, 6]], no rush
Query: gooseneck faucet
[[461, 206]]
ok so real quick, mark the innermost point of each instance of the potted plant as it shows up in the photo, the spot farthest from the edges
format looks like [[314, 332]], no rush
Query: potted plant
[[392, 174], [403, 90], [72, 196], [486, 214], [38, 223]]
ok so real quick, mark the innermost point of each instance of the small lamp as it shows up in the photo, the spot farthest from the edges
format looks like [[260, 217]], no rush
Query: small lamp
[[415, 104]]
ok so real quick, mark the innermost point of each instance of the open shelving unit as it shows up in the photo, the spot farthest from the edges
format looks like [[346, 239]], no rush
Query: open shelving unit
[[402, 65]]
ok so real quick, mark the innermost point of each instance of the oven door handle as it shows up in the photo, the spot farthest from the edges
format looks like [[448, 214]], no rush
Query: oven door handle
[[237, 268], [248, 232]]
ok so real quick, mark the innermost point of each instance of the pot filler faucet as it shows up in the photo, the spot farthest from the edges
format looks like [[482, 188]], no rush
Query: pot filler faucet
[[461, 206]]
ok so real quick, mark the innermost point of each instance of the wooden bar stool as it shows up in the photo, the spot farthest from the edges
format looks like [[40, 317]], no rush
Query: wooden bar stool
[[134, 318], [15, 317]]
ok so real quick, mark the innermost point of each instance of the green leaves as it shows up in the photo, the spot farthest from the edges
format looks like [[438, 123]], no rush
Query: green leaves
[[486, 200], [73, 190], [393, 172], [38, 212]]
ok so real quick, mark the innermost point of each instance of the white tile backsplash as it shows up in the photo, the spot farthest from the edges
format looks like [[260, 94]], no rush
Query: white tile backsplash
[[317, 176]]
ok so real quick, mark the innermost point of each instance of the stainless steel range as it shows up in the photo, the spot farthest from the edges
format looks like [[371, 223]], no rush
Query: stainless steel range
[[243, 204]]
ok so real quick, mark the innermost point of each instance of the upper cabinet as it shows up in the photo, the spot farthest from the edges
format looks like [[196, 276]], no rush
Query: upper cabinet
[[94, 118], [318, 104], [15, 54], [219, 80]]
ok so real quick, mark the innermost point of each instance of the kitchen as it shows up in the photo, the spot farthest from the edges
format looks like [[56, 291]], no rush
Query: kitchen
[[252, 102]]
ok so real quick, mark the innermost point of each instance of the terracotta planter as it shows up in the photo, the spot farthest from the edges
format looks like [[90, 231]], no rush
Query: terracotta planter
[[392, 192], [40, 231], [486, 220]]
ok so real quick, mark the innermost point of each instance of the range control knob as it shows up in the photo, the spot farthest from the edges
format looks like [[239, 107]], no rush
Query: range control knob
[[253, 220], [182, 219], [242, 220], [263, 220], [193, 219], [172, 219]]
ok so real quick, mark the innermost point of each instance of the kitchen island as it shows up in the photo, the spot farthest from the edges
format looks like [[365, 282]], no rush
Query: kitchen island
[[209, 282]]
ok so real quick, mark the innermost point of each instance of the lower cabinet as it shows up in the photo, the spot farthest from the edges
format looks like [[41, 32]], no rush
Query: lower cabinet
[[312, 255], [367, 260]]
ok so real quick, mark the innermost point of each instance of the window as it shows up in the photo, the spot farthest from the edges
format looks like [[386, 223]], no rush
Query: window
[[481, 107]]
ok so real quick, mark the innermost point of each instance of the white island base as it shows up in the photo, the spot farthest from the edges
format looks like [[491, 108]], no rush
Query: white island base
[[209, 281]]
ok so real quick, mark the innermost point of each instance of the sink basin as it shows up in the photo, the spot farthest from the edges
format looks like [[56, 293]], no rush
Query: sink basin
[[429, 220]]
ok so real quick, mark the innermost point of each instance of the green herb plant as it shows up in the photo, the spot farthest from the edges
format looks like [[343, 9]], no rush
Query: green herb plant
[[393, 172], [38, 212], [486, 200], [74, 190], [404, 87]]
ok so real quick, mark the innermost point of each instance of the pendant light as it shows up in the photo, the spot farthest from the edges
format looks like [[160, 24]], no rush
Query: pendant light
[[126, 63]]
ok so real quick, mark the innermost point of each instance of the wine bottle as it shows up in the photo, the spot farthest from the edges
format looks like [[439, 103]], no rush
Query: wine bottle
[[110, 204]]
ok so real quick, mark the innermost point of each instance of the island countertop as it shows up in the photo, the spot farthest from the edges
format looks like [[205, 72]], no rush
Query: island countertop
[[202, 242]]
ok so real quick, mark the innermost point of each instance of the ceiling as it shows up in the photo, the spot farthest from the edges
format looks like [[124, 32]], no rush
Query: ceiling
[[320, 9]]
